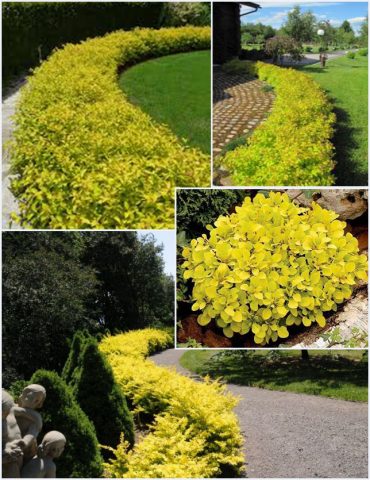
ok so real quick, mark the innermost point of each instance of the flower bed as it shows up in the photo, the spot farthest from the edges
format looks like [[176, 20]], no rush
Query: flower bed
[[84, 157], [194, 432], [292, 146]]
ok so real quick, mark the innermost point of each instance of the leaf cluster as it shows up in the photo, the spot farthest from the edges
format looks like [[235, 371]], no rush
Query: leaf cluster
[[272, 265]]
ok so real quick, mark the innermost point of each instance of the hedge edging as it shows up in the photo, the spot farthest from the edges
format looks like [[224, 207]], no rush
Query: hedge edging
[[83, 155], [195, 433], [292, 146]]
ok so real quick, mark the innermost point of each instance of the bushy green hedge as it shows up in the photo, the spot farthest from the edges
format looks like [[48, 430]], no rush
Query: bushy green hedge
[[72, 362], [83, 155], [292, 146], [101, 398], [28, 27], [81, 458]]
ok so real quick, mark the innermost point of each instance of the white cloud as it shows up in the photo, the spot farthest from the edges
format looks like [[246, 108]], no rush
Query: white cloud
[[357, 20]]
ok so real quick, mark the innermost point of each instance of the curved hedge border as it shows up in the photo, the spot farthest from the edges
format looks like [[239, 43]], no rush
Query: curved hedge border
[[292, 147], [83, 155], [195, 433]]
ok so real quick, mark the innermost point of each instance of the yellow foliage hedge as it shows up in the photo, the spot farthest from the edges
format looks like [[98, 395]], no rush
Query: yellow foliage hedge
[[84, 157], [292, 146], [194, 434]]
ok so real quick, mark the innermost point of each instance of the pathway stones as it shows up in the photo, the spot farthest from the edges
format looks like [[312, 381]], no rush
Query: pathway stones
[[239, 106], [295, 435]]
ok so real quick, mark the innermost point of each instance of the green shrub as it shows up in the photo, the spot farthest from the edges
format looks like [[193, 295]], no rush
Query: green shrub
[[236, 66], [272, 265], [292, 146], [100, 397], [81, 458], [33, 28], [85, 157], [308, 49], [178, 14], [351, 55], [78, 341], [363, 52], [197, 208]]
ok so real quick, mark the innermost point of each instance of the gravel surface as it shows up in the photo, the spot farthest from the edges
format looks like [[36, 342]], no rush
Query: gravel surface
[[295, 435], [9, 203]]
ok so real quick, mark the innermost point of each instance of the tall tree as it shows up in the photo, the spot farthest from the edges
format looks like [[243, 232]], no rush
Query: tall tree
[[300, 26], [46, 297], [346, 27]]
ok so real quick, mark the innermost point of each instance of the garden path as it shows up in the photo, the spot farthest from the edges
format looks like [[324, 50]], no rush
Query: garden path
[[296, 435], [9, 203], [239, 106]]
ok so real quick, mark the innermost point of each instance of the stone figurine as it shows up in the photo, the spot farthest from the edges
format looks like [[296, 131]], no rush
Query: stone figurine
[[42, 464], [12, 442], [21, 424], [28, 419]]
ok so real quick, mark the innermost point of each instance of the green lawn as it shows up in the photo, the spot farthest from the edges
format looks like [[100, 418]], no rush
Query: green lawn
[[341, 375], [345, 81], [175, 90]]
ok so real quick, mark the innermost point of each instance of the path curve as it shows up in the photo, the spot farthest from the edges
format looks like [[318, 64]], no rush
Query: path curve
[[296, 435]]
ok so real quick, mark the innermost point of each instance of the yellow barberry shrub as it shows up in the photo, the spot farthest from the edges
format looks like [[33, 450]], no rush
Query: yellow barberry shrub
[[272, 265], [194, 432], [83, 156], [292, 146]]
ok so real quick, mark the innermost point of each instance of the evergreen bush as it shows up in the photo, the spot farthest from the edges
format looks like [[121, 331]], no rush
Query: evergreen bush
[[81, 457], [101, 398]]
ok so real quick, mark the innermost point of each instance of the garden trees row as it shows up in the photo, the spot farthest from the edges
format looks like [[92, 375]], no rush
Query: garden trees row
[[302, 27], [55, 284]]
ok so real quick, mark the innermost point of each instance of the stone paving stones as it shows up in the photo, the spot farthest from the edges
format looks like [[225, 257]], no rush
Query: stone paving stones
[[239, 106]]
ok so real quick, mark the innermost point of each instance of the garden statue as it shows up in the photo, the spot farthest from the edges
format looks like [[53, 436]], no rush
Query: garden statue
[[28, 419], [42, 464], [21, 424], [13, 444]]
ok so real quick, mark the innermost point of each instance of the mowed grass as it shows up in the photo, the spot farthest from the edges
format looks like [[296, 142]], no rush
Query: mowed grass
[[175, 90], [346, 82], [342, 375]]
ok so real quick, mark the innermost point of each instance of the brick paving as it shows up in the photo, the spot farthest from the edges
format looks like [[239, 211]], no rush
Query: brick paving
[[239, 106]]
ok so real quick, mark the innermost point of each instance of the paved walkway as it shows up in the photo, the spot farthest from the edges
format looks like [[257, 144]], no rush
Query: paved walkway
[[310, 58], [9, 203], [296, 435], [239, 105]]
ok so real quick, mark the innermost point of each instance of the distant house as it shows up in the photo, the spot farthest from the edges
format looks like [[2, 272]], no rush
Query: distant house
[[226, 29]]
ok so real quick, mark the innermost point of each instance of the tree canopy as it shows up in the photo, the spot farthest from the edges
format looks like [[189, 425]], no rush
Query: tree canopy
[[55, 283]]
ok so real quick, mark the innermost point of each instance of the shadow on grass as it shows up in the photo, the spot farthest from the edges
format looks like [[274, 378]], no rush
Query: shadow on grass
[[328, 375], [346, 169]]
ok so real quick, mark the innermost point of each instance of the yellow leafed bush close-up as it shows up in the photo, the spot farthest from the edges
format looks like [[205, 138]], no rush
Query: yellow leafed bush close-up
[[272, 265], [292, 146], [193, 431], [83, 156]]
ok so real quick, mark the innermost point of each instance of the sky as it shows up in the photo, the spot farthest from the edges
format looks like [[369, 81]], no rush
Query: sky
[[274, 13], [168, 239]]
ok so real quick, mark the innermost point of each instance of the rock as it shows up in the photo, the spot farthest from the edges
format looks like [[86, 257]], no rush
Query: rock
[[190, 329], [347, 203], [211, 339]]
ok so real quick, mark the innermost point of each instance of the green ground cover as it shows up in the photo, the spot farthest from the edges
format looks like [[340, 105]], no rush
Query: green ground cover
[[175, 90], [340, 375], [345, 80]]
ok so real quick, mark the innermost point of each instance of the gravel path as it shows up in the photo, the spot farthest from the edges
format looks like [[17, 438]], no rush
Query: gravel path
[[295, 435], [9, 203]]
